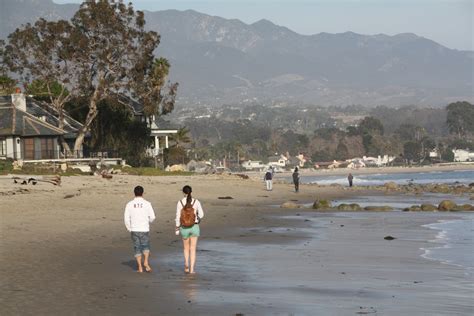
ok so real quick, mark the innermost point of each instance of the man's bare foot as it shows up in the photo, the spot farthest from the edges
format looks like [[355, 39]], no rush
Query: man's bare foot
[[148, 268], [140, 270]]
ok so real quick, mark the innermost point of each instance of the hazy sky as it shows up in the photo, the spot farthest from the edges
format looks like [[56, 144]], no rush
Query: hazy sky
[[448, 22]]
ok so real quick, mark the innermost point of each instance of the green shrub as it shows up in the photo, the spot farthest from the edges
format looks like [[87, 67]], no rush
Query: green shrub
[[6, 165], [149, 171]]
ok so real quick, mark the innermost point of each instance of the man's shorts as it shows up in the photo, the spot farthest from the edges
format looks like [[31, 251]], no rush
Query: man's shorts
[[190, 232], [141, 242]]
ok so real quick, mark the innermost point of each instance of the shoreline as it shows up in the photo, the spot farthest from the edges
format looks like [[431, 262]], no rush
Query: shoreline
[[78, 257], [378, 170]]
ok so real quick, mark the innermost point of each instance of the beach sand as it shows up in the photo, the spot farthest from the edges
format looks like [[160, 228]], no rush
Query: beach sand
[[64, 250]]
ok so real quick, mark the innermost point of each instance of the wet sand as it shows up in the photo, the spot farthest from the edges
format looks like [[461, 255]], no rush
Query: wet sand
[[64, 250]]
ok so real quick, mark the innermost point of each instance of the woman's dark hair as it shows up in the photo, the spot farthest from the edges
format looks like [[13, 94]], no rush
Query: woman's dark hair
[[187, 190], [296, 169]]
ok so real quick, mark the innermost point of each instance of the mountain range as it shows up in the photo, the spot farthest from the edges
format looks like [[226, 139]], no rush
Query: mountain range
[[222, 61]]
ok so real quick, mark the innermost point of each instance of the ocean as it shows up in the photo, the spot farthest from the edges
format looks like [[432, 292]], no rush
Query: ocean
[[458, 176], [454, 243]]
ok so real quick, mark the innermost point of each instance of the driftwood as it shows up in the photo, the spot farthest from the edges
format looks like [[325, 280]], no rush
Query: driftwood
[[106, 175], [24, 180]]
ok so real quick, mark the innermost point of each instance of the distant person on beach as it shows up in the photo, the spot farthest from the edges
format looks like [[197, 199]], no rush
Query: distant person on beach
[[268, 179], [137, 217], [350, 178], [296, 179], [188, 215]]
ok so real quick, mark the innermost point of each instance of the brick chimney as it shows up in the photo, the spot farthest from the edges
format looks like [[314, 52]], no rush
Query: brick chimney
[[19, 100]]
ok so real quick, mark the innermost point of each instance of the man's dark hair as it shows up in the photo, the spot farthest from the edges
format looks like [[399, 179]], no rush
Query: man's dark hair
[[138, 190]]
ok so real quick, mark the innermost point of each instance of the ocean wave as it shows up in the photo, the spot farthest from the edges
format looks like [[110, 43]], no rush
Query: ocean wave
[[457, 242]]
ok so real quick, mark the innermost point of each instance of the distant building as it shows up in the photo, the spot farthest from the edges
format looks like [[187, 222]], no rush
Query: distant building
[[302, 160], [356, 164], [461, 155], [278, 161], [253, 165], [434, 153], [377, 162]]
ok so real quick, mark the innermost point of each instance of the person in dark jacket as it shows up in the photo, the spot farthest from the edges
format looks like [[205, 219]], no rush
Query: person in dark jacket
[[268, 179], [296, 179], [349, 178]]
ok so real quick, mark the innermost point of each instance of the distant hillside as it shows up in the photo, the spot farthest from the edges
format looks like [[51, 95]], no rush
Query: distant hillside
[[217, 60]]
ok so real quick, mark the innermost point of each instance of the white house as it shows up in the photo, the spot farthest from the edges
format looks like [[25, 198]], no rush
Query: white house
[[461, 155], [379, 161], [434, 153], [278, 161], [356, 163], [253, 165], [160, 130], [302, 159]]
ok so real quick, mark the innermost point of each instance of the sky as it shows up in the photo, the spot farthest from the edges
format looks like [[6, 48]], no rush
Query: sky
[[448, 22]]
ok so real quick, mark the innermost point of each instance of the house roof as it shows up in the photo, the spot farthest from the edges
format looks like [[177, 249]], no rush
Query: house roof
[[137, 110], [274, 158], [14, 122], [135, 106], [164, 124], [45, 112]]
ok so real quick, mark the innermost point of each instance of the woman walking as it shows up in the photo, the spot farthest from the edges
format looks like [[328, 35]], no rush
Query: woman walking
[[188, 215]]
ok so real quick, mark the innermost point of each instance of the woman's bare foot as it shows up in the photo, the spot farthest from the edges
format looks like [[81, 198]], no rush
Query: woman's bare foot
[[140, 270], [148, 269], [186, 269], [192, 272]]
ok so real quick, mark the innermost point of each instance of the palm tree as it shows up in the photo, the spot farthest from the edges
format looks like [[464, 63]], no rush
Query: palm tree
[[181, 137]]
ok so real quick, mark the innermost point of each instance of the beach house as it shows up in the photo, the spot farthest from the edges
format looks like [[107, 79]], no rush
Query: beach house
[[160, 130], [253, 165], [24, 136], [278, 161], [46, 113], [462, 155]]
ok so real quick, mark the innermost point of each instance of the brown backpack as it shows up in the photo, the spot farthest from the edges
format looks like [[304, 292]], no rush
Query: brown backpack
[[188, 217]]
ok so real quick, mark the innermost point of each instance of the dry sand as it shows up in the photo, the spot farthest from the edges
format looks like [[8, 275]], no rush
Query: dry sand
[[64, 250]]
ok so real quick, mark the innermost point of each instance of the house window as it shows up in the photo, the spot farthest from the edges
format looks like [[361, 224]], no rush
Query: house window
[[3, 147], [47, 148], [29, 148]]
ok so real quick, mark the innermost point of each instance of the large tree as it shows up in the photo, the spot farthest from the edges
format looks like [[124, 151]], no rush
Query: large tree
[[460, 118], [103, 51], [115, 55], [41, 54], [7, 84], [371, 125]]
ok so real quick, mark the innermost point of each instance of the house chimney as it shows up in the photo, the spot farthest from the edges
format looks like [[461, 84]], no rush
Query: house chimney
[[19, 100]]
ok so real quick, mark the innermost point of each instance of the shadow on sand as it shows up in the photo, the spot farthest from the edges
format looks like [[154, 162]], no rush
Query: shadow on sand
[[130, 263]]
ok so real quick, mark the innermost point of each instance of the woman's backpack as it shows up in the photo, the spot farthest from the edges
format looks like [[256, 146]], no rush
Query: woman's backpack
[[188, 216]]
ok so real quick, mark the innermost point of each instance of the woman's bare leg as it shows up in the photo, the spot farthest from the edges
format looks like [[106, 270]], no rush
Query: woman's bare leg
[[193, 242], [186, 246]]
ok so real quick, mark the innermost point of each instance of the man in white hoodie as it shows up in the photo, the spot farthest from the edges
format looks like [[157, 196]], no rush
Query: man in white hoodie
[[137, 217]]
